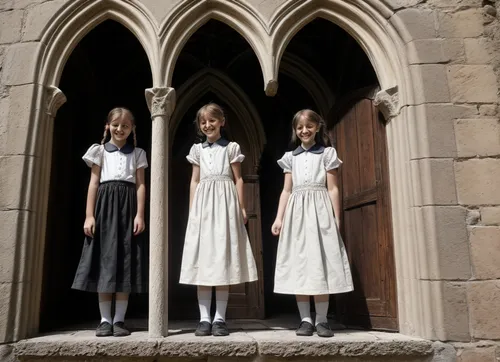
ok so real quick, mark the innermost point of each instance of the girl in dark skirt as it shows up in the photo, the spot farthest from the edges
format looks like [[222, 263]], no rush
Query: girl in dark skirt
[[112, 256]]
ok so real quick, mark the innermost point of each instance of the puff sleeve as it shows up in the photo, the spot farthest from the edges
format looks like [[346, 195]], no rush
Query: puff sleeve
[[331, 159], [194, 155], [285, 162], [93, 156], [141, 160], [235, 154]]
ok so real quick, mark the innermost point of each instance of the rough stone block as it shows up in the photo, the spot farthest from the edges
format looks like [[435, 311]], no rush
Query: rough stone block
[[399, 4], [436, 184], [444, 246], [455, 3], [19, 63], [10, 26], [476, 354], [7, 353], [477, 51], [461, 24], [490, 215], [477, 181], [423, 51], [430, 83], [485, 252], [14, 182], [484, 309], [472, 83], [38, 18], [432, 125], [415, 24], [489, 110], [10, 256], [477, 137], [454, 50]]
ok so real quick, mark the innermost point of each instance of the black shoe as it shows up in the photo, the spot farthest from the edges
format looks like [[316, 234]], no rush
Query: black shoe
[[219, 329], [305, 329], [203, 329], [104, 329], [119, 330], [324, 330]]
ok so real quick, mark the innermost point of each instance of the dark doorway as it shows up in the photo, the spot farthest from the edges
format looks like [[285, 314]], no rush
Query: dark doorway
[[108, 68]]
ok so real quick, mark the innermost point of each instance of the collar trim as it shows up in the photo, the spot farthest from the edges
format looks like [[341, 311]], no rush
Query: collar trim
[[221, 142], [316, 149], [126, 149]]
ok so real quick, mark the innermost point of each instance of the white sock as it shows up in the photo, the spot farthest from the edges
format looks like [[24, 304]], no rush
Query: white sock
[[105, 309], [221, 298], [321, 311], [204, 303], [305, 311], [120, 310]]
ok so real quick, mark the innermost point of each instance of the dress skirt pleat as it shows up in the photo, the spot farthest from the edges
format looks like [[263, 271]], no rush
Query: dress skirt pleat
[[114, 260]]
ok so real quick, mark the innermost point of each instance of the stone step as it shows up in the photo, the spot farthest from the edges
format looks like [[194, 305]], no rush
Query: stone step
[[242, 345]]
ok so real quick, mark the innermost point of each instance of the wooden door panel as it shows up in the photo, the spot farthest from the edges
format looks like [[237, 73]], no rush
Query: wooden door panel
[[367, 232]]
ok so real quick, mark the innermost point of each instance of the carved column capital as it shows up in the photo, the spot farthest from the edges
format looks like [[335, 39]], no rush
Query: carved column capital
[[55, 99], [387, 101], [161, 101]]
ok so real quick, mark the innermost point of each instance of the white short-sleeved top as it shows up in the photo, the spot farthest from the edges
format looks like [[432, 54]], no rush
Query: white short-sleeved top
[[215, 158], [116, 164], [309, 166]]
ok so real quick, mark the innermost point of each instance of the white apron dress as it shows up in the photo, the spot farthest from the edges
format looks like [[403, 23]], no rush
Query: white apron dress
[[217, 250], [311, 258]]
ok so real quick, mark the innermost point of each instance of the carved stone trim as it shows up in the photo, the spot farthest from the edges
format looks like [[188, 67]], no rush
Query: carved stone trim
[[161, 101], [387, 101], [55, 99]]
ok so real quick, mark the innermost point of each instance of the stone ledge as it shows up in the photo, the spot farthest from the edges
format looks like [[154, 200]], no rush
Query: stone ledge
[[241, 344]]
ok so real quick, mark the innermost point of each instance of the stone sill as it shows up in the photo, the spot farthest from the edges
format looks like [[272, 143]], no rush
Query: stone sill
[[248, 343]]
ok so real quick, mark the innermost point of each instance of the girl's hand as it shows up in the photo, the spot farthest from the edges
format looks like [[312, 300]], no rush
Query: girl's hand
[[276, 228], [89, 226], [139, 225], [245, 218]]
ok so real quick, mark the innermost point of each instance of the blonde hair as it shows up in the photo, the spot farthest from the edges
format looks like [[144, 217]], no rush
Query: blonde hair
[[321, 137], [115, 113], [213, 110]]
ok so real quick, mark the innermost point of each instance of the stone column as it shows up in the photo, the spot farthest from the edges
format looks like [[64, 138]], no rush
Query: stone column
[[161, 103]]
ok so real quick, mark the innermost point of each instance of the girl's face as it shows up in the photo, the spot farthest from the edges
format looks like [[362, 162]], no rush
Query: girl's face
[[120, 128], [210, 127], [306, 131]]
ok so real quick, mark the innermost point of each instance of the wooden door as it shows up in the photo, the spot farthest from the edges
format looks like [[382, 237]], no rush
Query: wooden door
[[366, 221]]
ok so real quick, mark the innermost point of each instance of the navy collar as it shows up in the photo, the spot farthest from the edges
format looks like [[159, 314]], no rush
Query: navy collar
[[221, 142], [316, 148], [126, 149]]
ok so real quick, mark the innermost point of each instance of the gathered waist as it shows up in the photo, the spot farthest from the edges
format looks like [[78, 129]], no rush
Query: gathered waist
[[309, 187], [216, 178]]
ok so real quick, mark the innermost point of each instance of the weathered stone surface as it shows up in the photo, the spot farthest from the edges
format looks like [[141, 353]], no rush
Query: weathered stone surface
[[484, 309], [10, 26], [415, 24], [432, 125], [476, 51], [472, 83], [18, 4], [423, 51], [477, 137], [473, 217], [12, 180], [7, 353], [476, 354], [436, 186], [7, 315], [455, 3], [444, 242], [454, 50], [160, 9], [39, 17], [443, 352], [19, 63], [477, 181], [266, 8], [461, 24], [430, 83], [10, 256], [489, 110], [490, 215], [398, 4], [485, 252]]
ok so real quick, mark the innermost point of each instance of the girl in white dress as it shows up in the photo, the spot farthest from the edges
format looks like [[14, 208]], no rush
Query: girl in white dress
[[217, 250], [311, 258]]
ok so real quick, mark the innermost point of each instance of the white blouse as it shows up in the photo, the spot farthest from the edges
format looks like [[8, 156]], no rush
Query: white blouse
[[116, 164]]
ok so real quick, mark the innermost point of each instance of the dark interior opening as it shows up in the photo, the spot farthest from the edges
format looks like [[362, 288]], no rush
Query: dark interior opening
[[107, 69]]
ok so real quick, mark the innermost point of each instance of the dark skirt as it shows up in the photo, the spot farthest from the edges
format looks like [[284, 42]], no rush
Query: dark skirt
[[114, 260]]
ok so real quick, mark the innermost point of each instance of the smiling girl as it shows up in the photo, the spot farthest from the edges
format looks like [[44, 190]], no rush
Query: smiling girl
[[311, 258], [112, 251], [217, 251]]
